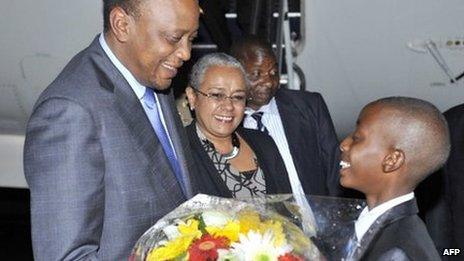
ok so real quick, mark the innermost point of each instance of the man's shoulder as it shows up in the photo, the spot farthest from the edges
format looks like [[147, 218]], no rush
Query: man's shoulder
[[456, 112], [81, 79], [297, 95], [308, 104], [304, 101]]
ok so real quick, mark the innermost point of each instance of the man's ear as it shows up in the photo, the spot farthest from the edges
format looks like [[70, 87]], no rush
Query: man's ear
[[120, 22], [393, 161], [191, 97]]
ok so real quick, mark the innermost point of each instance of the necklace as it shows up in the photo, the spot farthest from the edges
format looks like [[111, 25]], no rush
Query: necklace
[[235, 143], [235, 149]]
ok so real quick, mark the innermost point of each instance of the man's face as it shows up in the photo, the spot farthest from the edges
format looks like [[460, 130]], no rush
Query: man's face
[[364, 150], [160, 40], [262, 71]]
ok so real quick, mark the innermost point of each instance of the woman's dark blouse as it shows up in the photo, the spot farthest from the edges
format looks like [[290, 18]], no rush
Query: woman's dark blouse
[[267, 155]]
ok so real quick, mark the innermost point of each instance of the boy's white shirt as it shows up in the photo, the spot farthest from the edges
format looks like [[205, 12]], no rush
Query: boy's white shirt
[[368, 217]]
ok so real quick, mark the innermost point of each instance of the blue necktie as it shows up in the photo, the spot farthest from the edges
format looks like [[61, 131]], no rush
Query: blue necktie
[[258, 116], [155, 120]]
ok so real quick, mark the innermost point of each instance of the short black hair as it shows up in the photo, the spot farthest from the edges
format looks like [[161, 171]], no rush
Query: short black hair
[[130, 6], [251, 46], [421, 132]]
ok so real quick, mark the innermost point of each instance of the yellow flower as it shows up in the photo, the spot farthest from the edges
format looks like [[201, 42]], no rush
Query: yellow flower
[[231, 230], [249, 220], [190, 228], [277, 230], [188, 232], [171, 250]]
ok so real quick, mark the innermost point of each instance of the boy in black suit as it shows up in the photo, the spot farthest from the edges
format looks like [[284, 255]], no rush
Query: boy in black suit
[[397, 143]]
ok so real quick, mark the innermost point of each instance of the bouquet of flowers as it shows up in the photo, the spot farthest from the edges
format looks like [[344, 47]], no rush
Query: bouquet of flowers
[[208, 228]]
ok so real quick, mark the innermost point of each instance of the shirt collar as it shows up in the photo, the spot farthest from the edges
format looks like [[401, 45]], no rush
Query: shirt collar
[[368, 217], [270, 108], [138, 88]]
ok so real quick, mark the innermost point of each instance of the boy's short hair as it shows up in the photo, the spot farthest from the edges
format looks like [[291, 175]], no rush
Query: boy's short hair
[[421, 132]]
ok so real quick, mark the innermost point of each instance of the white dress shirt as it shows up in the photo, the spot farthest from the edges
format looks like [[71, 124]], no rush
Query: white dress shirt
[[368, 217], [273, 123], [138, 88], [271, 119]]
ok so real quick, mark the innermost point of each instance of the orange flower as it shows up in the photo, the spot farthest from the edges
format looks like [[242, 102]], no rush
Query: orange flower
[[289, 257], [205, 248]]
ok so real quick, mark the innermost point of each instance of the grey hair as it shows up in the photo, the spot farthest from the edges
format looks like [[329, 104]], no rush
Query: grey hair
[[421, 132], [210, 60]]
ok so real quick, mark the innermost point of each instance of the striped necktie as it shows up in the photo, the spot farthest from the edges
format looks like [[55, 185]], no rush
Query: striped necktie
[[258, 118]]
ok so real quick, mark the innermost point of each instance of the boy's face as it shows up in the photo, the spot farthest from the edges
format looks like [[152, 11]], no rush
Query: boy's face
[[364, 150]]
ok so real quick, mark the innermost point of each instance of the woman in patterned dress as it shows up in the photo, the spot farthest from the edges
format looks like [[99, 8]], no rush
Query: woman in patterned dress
[[233, 161]]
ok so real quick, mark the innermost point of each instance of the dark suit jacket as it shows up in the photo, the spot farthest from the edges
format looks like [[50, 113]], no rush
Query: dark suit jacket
[[97, 173], [266, 152], [453, 172], [312, 140], [440, 195], [398, 234]]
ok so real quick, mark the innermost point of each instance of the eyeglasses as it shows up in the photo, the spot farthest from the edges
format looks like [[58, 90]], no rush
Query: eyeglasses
[[239, 99]]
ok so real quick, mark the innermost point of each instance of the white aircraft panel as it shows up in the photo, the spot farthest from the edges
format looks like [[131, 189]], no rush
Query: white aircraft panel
[[357, 51], [37, 39]]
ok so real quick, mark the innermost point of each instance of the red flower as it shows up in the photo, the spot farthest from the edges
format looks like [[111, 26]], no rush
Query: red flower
[[205, 248], [290, 257]]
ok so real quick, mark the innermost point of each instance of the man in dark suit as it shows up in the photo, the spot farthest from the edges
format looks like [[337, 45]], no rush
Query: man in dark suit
[[105, 153], [453, 173], [386, 165], [440, 195], [298, 121]]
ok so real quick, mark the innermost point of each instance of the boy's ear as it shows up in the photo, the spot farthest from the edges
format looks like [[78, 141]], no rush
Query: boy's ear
[[393, 161]]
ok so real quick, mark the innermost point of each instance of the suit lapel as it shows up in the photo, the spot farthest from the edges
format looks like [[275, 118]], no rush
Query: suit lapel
[[127, 104], [407, 208], [133, 116], [289, 114], [178, 137]]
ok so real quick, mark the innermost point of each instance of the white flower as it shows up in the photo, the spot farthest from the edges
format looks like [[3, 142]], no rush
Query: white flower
[[255, 247], [215, 218], [171, 231]]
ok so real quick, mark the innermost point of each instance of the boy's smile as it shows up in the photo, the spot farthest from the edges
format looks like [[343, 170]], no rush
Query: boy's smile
[[344, 164], [364, 150]]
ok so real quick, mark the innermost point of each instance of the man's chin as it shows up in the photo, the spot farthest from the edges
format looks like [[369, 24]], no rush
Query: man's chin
[[259, 101], [162, 85]]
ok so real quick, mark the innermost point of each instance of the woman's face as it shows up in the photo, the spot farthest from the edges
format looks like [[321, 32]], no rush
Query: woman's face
[[220, 101]]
